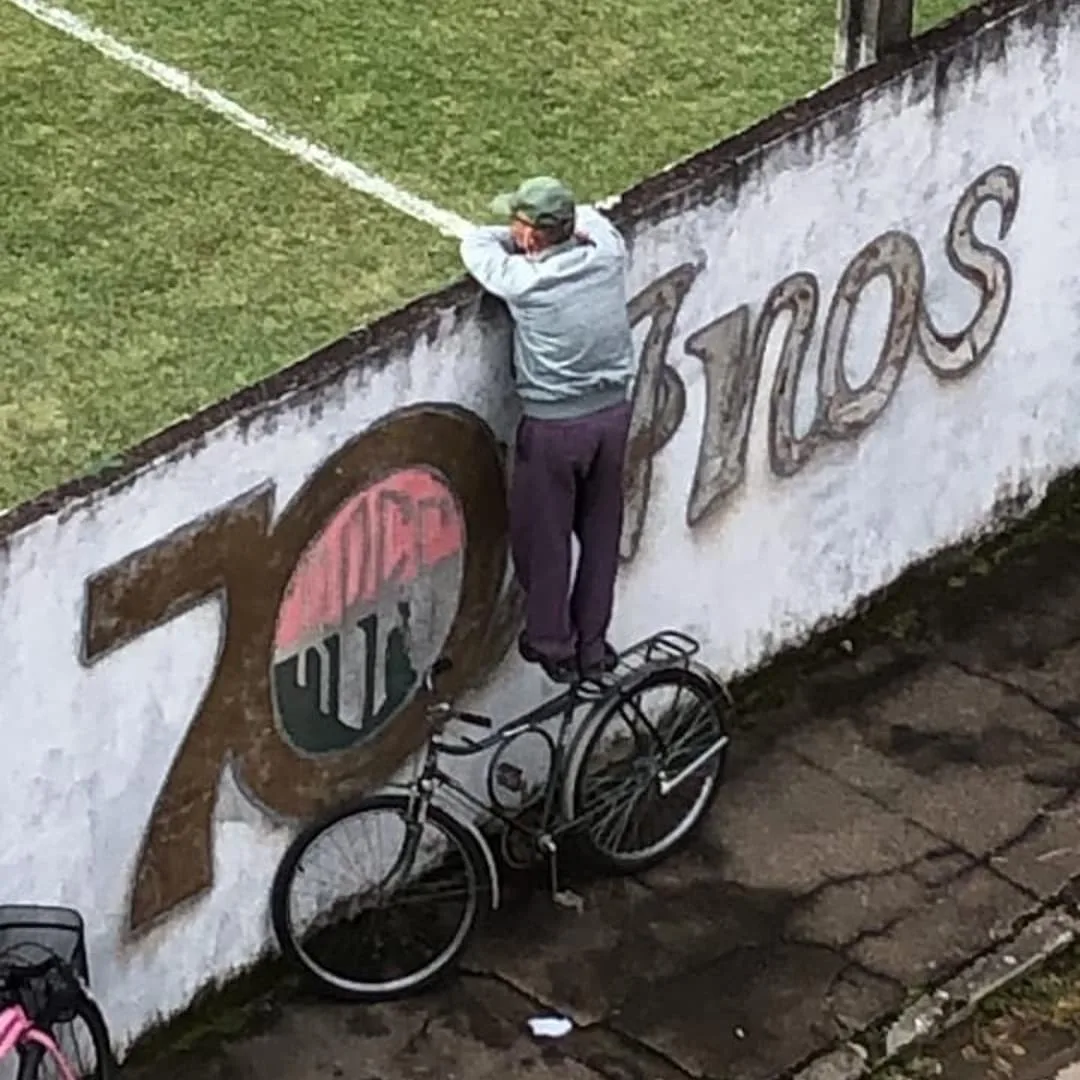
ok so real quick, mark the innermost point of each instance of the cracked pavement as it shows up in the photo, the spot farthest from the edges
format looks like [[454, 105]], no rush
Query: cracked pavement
[[906, 807]]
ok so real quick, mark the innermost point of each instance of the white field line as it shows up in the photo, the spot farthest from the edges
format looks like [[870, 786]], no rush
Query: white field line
[[310, 153]]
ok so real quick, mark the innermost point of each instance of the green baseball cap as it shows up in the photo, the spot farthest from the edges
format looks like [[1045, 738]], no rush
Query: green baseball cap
[[542, 201]]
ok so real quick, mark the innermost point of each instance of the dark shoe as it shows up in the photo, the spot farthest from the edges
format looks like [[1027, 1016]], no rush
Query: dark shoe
[[560, 671], [528, 653], [604, 666]]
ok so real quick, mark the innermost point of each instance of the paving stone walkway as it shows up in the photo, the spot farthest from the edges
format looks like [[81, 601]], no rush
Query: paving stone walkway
[[907, 804]]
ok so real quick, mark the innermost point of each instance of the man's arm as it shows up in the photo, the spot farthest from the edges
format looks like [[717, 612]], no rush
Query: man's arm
[[600, 231], [487, 255]]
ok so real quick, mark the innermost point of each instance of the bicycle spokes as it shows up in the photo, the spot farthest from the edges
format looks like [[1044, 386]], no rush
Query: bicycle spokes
[[380, 896], [650, 767]]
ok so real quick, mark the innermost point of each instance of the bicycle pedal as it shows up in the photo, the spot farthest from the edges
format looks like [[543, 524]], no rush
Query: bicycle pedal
[[569, 899]]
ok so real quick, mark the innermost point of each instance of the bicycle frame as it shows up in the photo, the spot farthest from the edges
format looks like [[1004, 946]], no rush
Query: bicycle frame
[[433, 777], [667, 648], [17, 1029]]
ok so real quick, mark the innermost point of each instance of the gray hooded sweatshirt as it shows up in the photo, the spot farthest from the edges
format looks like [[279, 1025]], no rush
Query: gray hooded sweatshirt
[[573, 350]]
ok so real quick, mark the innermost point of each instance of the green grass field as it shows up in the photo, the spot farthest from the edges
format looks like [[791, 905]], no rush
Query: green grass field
[[156, 258]]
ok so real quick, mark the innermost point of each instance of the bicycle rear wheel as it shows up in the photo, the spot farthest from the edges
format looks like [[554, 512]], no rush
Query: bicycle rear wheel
[[645, 768], [375, 902], [80, 1032]]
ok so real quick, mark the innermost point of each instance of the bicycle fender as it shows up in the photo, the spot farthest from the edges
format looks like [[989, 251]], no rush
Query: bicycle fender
[[715, 680], [573, 750], [599, 705], [473, 830]]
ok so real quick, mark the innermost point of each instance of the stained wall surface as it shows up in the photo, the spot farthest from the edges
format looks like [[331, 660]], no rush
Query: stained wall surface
[[859, 333]]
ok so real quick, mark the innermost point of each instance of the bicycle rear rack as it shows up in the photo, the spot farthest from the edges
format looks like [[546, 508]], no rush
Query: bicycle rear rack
[[666, 648]]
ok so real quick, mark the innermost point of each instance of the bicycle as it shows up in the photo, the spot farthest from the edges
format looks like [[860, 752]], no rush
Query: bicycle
[[45, 998], [425, 900]]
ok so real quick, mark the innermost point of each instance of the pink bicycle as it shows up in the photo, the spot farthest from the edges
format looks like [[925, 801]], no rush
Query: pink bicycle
[[48, 1019], [19, 1033]]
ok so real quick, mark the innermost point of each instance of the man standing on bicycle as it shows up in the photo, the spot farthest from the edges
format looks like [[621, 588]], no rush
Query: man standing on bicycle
[[561, 270]]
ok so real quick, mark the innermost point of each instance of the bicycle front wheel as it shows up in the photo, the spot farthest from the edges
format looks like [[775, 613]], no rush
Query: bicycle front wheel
[[378, 900], [78, 1028], [645, 768]]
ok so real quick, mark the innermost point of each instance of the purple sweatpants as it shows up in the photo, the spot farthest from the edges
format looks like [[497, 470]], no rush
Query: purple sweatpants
[[568, 477]]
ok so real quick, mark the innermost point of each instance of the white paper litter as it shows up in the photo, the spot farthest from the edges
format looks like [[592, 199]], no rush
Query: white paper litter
[[550, 1027]]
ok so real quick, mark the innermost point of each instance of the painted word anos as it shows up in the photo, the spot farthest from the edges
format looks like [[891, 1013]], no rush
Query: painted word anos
[[732, 349]]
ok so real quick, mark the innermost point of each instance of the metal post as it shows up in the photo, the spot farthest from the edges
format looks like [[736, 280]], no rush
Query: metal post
[[867, 30], [848, 27], [895, 23]]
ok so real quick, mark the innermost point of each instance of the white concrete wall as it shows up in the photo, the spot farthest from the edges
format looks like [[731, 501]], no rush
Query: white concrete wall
[[87, 747]]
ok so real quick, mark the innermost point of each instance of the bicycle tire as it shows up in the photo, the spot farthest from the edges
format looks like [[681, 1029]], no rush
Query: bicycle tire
[[82, 1007], [477, 907], [590, 738]]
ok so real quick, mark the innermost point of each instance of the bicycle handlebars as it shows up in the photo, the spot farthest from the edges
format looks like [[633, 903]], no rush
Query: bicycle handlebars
[[444, 712], [475, 719], [440, 667]]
